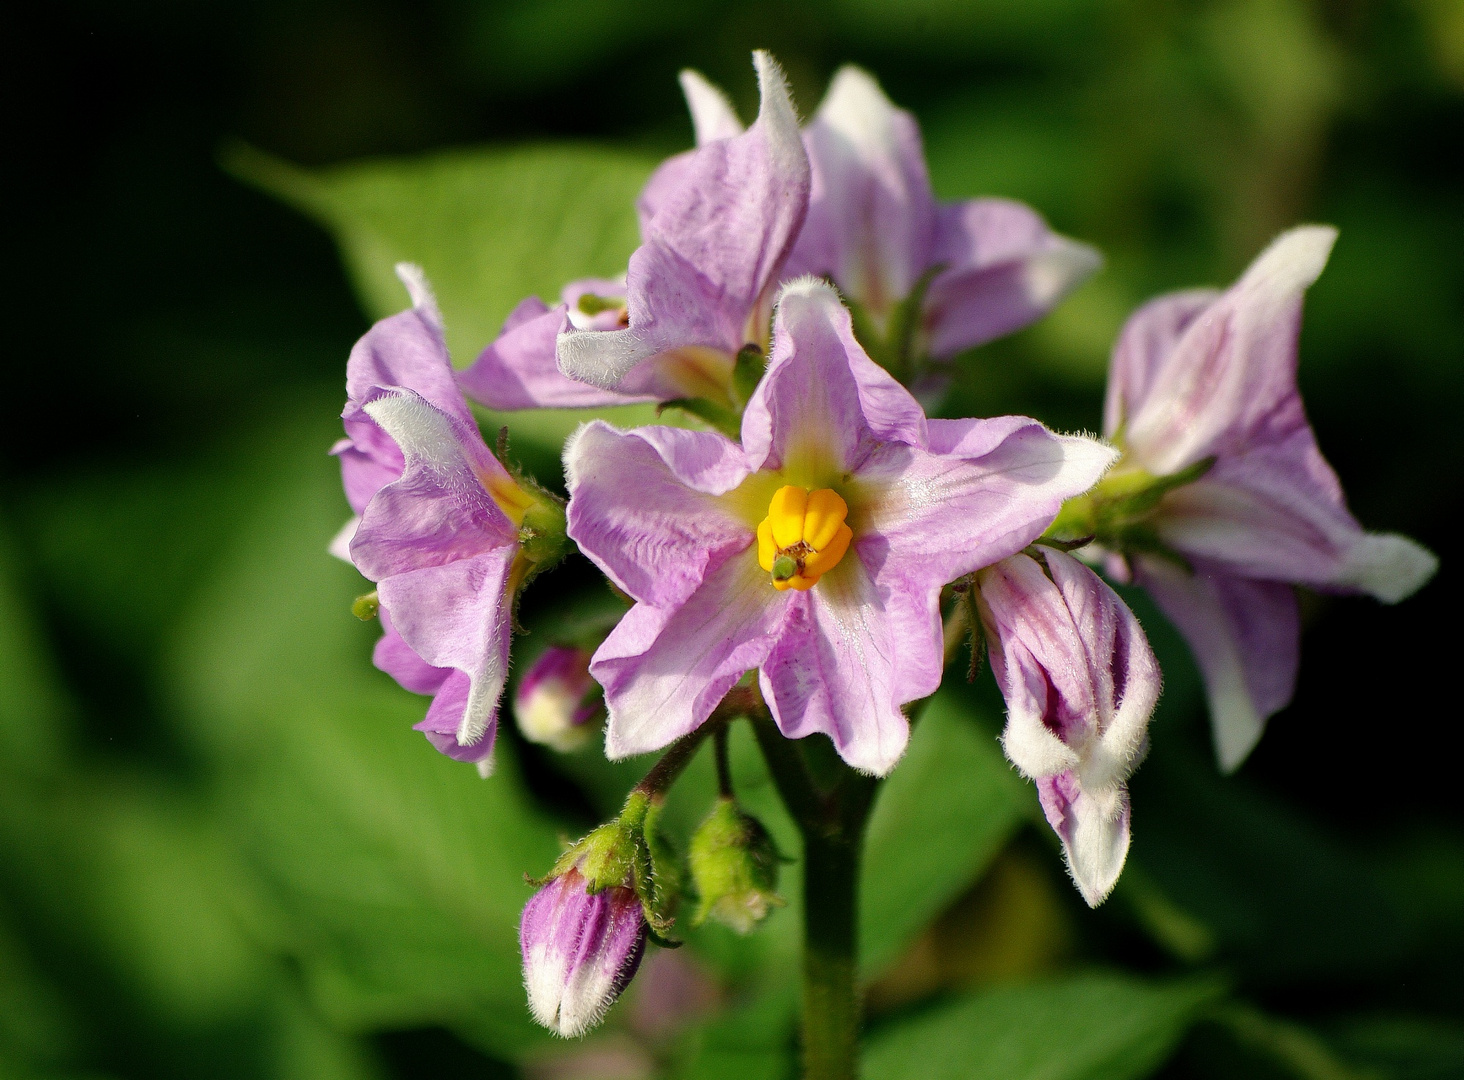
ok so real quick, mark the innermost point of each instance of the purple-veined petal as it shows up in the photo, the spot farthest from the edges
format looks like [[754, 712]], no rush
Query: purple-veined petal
[[1143, 346], [457, 615], [519, 369], [395, 657], [665, 669], [644, 506], [983, 490], [1004, 268], [444, 724], [871, 213], [847, 659], [580, 951], [440, 509], [1231, 376], [1276, 513], [1245, 637], [1094, 829], [1080, 683], [823, 404], [711, 253]]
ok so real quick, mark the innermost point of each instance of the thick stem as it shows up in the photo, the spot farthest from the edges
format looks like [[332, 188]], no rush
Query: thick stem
[[831, 1006]]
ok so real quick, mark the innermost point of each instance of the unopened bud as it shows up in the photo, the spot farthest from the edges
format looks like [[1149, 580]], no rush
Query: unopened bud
[[734, 865], [580, 949], [557, 701]]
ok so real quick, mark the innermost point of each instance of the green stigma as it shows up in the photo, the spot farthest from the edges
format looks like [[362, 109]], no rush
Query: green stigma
[[784, 568]]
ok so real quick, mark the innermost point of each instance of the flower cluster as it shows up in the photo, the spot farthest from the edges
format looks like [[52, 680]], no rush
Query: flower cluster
[[797, 294]]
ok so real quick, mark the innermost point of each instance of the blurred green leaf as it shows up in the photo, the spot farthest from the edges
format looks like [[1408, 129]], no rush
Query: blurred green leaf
[[1407, 1047], [398, 874], [34, 712], [489, 227], [942, 815], [1087, 1027]]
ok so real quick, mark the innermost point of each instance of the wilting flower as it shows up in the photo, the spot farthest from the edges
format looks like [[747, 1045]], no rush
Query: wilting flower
[[445, 532], [1080, 683], [556, 699], [1202, 387], [716, 227], [815, 550], [974, 270], [581, 949]]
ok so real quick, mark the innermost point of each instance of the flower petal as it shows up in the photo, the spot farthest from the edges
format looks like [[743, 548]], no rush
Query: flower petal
[[871, 213], [440, 509], [1004, 269], [1143, 346], [643, 506], [712, 114], [519, 369], [444, 723], [1245, 637], [712, 250], [983, 490], [1276, 513], [395, 657], [1231, 377], [1094, 829], [457, 615], [846, 661], [823, 405], [665, 670]]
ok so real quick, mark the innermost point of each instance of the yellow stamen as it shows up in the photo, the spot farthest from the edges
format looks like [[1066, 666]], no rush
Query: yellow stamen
[[803, 537], [513, 500]]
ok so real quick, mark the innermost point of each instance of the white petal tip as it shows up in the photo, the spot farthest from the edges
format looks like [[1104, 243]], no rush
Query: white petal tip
[[1052, 274], [1236, 728], [1388, 566], [712, 114], [423, 299], [1294, 259], [340, 544], [485, 767]]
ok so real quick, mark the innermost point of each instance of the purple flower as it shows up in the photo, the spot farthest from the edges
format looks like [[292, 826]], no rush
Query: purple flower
[[556, 699], [1080, 683], [716, 227], [815, 550], [874, 226], [1201, 377], [580, 949], [438, 529]]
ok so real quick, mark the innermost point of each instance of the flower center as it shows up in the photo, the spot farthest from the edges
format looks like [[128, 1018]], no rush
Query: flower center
[[803, 537]]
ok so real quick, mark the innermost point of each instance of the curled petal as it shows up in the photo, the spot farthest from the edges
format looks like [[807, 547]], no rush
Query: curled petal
[[713, 247], [1245, 636], [1004, 268], [1142, 349], [1094, 829], [519, 369], [712, 115]]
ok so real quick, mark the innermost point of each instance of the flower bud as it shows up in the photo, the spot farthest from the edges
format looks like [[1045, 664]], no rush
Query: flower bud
[[734, 866], [557, 701], [580, 949]]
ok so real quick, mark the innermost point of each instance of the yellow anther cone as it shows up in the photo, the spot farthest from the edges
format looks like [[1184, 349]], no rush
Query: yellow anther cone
[[785, 515], [803, 537], [823, 519]]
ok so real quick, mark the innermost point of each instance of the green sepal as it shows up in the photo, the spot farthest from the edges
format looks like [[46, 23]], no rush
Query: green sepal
[[899, 347], [747, 372], [734, 867], [590, 304], [1115, 512], [725, 420], [366, 607]]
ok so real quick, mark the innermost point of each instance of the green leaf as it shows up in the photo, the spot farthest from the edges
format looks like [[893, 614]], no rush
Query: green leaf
[[1086, 1027], [34, 712], [489, 226], [398, 875], [940, 818]]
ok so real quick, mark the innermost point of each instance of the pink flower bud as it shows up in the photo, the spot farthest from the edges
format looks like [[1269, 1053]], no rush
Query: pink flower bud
[[557, 701], [580, 951]]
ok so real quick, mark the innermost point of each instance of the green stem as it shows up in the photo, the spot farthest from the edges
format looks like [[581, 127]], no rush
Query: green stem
[[832, 823], [831, 1006]]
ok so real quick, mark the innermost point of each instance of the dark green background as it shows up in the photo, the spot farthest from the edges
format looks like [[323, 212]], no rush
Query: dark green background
[[222, 853]]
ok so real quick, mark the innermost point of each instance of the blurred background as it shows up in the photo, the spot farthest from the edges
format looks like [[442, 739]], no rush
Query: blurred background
[[223, 853]]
